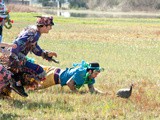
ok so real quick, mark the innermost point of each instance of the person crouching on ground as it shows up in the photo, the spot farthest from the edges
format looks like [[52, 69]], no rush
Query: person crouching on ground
[[26, 42]]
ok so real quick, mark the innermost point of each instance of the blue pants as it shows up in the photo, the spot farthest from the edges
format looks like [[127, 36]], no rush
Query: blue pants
[[33, 68]]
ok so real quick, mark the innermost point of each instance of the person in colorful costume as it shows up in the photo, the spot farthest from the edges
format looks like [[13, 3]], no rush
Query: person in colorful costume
[[26, 42], [74, 77], [5, 78], [5, 74]]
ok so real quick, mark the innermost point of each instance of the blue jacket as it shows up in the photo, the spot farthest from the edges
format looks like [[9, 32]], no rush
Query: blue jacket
[[76, 74]]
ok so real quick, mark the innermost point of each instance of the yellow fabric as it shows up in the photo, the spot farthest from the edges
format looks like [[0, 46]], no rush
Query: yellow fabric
[[49, 81]]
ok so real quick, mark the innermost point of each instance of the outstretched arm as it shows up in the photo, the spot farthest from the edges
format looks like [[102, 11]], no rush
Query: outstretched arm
[[94, 90], [45, 54], [71, 85], [8, 45]]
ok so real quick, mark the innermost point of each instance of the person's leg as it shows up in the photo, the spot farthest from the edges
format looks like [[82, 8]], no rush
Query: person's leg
[[7, 83], [18, 81], [3, 85], [52, 78], [35, 69], [4, 78]]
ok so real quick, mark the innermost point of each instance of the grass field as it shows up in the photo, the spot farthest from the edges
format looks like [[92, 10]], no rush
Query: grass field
[[128, 49]]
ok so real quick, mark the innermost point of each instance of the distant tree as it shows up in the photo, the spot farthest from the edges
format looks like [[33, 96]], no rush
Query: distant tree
[[124, 5], [102, 4], [51, 2], [45, 2], [60, 2], [78, 3], [140, 5]]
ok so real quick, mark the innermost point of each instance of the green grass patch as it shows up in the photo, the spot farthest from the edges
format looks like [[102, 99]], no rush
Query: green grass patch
[[127, 48]]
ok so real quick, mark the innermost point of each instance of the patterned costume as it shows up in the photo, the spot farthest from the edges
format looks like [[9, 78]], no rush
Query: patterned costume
[[5, 78], [5, 74], [27, 42], [24, 69]]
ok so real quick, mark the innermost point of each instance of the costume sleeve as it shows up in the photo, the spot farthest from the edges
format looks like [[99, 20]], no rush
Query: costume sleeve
[[78, 77], [17, 49], [15, 57], [37, 50], [20, 45]]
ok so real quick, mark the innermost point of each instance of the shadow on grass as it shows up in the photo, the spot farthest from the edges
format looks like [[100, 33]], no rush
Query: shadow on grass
[[29, 105], [81, 92], [58, 91], [8, 116]]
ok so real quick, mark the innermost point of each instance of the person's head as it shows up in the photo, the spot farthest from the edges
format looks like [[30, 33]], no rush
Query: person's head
[[94, 69], [44, 23]]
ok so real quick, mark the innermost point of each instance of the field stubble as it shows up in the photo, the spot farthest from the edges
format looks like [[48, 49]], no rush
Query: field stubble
[[128, 49]]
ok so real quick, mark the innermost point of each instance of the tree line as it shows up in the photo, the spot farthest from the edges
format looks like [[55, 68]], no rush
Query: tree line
[[120, 5], [105, 5]]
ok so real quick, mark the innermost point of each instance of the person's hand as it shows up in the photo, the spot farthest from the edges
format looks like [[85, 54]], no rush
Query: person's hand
[[13, 46], [48, 56]]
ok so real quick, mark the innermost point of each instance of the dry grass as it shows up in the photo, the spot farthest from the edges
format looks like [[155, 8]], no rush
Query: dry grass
[[127, 49]]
